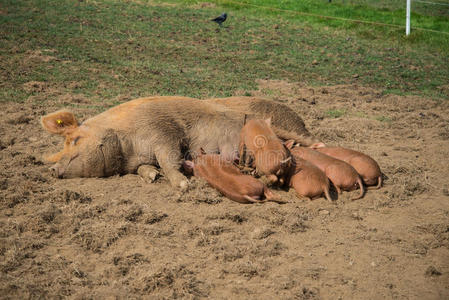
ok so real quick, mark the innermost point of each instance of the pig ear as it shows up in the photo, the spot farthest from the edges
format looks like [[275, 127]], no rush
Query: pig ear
[[60, 122], [268, 121], [53, 158], [289, 144]]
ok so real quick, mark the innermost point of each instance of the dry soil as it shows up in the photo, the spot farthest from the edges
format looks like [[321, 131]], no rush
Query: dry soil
[[120, 236]]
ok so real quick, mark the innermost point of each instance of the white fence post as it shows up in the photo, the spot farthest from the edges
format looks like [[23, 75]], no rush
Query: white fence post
[[407, 21]]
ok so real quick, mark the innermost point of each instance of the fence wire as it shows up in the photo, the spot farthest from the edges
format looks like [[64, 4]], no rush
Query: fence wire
[[433, 3], [329, 17]]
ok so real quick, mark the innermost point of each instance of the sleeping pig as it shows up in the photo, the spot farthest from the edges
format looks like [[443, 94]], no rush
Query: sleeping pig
[[364, 165], [308, 180], [259, 144]]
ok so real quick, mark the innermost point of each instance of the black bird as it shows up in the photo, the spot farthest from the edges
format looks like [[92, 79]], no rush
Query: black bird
[[220, 19]]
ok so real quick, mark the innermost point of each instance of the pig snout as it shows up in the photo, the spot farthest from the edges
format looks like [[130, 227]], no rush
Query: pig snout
[[56, 171]]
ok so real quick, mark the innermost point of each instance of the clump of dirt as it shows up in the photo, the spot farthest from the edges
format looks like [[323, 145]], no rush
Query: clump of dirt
[[201, 192], [122, 237], [432, 271], [35, 86], [41, 55], [205, 5], [68, 99]]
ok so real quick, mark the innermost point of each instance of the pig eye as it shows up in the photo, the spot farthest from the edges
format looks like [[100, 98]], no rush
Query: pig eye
[[76, 140]]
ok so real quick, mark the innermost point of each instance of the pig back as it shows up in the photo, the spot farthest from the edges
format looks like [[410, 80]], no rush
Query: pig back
[[322, 161]]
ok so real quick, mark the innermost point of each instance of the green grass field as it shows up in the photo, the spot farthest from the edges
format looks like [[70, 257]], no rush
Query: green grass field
[[109, 49], [424, 15]]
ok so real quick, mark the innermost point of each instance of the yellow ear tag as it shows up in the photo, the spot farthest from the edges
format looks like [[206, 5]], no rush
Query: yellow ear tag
[[59, 121]]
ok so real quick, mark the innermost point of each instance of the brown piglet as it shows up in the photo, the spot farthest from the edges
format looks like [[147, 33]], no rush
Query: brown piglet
[[367, 167], [308, 180], [343, 176], [269, 156], [227, 179]]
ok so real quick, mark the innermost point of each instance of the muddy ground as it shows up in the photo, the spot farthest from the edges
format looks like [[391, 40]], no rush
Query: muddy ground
[[119, 236]]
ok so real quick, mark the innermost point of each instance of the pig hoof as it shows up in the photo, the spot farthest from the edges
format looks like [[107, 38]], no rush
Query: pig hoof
[[148, 173], [178, 180], [183, 185]]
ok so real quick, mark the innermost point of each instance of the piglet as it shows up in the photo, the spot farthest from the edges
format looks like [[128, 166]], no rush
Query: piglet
[[227, 179], [269, 156], [308, 180], [342, 175], [367, 167]]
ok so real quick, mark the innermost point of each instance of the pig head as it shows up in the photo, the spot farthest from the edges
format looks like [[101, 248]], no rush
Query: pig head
[[87, 152]]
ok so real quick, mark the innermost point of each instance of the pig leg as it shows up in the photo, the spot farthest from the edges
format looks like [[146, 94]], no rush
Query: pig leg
[[242, 154], [270, 196], [326, 193], [148, 173], [379, 184], [252, 199], [170, 162], [362, 189], [317, 145], [338, 189], [245, 157]]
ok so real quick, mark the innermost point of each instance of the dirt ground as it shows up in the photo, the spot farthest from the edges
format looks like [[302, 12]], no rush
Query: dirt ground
[[119, 236]]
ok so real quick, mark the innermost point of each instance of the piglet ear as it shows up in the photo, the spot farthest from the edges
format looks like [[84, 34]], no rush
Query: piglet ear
[[60, 122]]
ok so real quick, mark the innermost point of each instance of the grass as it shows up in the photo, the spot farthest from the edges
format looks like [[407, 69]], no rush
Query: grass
[[383, 119], [365, 11], [118, 50], [335, 113], [392, 12]]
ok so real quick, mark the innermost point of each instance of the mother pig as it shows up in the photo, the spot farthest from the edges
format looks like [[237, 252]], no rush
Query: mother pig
[[159, 131]]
